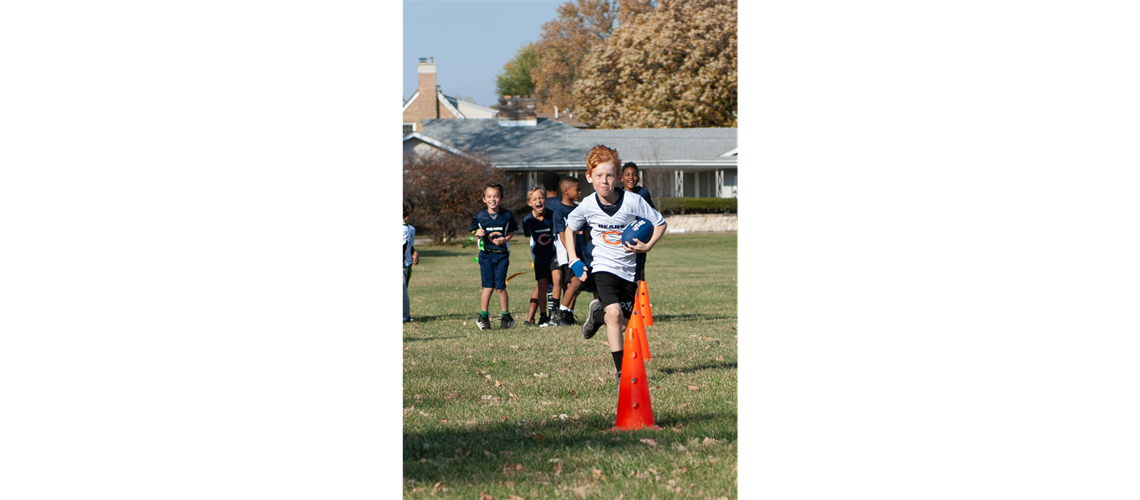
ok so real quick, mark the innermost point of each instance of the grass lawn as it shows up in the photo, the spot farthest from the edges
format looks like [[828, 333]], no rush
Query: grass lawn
[[526, 412]]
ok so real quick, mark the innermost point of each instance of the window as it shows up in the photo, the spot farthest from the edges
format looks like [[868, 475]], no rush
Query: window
[[409, 128]]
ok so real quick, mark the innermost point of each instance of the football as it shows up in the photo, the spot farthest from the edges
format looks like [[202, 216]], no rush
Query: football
[[640, 229]]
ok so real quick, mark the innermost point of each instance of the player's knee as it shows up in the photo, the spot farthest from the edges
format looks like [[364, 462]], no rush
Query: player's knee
[[613, 315]]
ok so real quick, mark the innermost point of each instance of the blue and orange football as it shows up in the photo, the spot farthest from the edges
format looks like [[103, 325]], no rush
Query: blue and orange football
[[640, 229]]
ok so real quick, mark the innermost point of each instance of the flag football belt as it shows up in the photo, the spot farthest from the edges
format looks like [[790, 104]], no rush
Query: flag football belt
[[496, 251]]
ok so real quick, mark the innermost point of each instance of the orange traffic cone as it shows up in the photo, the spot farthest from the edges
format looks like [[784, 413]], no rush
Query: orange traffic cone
[[637, 321], [643, 301], [634, 409]]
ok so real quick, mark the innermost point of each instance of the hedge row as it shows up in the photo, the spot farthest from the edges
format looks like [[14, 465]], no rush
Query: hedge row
[[678, 206]]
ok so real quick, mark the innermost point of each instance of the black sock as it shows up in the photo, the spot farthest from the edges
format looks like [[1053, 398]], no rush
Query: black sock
[[617, 358], [599, 316]]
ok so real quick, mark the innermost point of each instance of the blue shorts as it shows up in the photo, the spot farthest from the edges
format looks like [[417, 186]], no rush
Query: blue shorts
[[493, 269]]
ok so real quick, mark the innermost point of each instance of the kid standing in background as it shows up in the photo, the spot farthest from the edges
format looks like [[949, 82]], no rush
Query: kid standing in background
[[538, 225], [606, 213], [496, 226], [411, 257], [571, 193], [630, 176], [551, 183]]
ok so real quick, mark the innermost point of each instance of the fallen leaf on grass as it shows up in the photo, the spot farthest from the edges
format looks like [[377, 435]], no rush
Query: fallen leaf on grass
[[600, 379], [606, 342], [557, 468], [541, 375], [484, 496], [417, 397], [563, 370], [453, 395], [488, 453], [650, 442], [512, 395], [509, 484], [720, 358], [498, 384], [679, 447], [487, 376], [573, 392], [692, 387], [506, 453], [539, 437], [504, 418], [509, 468], [654, 388], [597, 472], [438, 487], [514, 497], [709, 440], [682, 406]]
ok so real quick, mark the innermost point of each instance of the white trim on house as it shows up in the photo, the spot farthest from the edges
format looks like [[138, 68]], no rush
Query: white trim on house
[[437, 143], [730, 153], [410, 99], [442, 98]]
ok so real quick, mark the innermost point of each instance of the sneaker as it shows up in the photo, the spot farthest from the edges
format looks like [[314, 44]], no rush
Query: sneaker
[[484, 323], [528, 323], [618, 382], [568, 318], [556, 318], [544, 321], [592, 324], [507, 322]]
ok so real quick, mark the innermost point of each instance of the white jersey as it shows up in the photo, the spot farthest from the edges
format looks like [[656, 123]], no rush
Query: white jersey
[[409, 242], [605, 229]]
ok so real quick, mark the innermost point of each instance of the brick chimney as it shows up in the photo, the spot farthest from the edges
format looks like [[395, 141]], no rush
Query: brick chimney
[[427, 105], [517, 111], [426, 70]]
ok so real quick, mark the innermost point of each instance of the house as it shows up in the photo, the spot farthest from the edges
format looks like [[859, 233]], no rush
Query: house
[[429, 102], [675, 162]]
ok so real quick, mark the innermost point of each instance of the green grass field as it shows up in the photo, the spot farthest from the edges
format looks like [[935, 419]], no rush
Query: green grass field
[[525, 413]]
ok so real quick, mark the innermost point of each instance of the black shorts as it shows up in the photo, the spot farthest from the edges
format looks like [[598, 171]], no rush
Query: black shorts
[[542, 270], [614, 290]]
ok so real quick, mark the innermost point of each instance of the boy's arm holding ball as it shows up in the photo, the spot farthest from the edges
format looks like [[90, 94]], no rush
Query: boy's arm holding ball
[[643, 246]]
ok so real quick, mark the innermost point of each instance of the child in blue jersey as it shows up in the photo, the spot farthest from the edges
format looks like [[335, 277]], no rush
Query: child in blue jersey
[[605, 214], [630, 176], [551, 182], [411, 257], [538, 225], [496, 226], [571, 193]]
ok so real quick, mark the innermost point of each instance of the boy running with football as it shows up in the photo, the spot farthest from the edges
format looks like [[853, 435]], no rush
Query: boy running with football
[[607, 212]]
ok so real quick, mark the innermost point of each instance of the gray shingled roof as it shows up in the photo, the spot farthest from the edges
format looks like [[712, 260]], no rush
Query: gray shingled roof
[[551, 143]]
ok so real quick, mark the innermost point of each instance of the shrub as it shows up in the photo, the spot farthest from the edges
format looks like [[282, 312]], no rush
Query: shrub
[[679, 206], [447, 190]]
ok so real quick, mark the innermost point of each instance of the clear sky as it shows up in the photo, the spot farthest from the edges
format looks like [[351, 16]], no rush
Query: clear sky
[[470, 40]]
